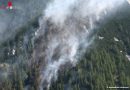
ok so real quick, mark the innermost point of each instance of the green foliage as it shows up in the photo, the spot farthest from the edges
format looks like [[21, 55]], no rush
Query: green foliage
[[103, 65]]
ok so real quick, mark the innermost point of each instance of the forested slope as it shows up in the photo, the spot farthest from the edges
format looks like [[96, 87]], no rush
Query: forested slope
[[105, 63]]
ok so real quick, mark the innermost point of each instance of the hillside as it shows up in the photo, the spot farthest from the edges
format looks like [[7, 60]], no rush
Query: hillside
[[105, 64]]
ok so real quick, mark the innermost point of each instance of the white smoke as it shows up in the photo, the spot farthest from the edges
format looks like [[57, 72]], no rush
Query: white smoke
[[58, 10], [64, 33]]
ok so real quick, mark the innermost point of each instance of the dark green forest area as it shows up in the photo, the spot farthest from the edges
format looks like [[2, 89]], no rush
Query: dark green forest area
[[104, 64]]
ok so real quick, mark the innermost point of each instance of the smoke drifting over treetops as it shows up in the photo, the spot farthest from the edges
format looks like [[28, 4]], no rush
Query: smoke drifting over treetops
[[64, 33], [64, 30]]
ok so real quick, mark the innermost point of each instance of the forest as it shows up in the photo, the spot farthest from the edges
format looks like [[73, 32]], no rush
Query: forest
[[105, 63]]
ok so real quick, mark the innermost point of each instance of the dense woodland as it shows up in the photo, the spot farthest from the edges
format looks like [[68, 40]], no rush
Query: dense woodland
[[104, 64]]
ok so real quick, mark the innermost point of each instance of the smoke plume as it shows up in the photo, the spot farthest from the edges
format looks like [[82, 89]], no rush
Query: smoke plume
[[64, 33]]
